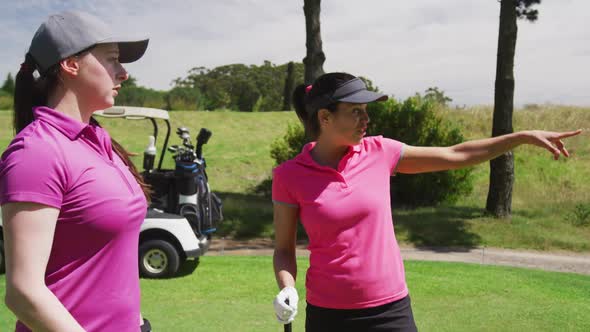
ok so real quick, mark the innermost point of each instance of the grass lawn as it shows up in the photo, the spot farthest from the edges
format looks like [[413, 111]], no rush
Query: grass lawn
[[546, 192], [235, 294]]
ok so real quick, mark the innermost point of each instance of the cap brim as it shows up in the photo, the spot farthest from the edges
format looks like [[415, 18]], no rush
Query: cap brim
[[129, 50], [363, 97]]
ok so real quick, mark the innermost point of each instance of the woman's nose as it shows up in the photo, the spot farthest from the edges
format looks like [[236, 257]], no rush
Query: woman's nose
[[123, 74], [365, 117]]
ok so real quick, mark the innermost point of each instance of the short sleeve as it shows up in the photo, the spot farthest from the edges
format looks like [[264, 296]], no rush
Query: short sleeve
[[394, 152], [31, 173], [281, 192]]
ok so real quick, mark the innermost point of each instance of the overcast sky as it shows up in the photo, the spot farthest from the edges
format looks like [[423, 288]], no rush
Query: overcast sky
[[403, 46]]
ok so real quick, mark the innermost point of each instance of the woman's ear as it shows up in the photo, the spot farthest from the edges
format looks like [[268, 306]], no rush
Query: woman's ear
[[70, 66], [324, 117]]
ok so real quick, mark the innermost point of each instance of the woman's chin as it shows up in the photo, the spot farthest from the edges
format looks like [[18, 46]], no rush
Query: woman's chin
[[357, 139], [110, 102]]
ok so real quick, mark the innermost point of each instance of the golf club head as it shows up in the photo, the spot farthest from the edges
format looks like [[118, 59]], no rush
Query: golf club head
[[181, 130], [204, 136], [183, 133]]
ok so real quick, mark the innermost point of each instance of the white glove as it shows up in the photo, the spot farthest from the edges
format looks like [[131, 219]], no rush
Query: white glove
[[286, 312]]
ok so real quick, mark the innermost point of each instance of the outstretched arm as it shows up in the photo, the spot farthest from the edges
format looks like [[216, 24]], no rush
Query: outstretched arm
[[431, 159]]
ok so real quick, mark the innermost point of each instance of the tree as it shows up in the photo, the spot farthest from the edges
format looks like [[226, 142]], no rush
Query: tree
[[499, 201], [240, 87], [8, 85], [289, 86], [130, 82], [437, 96], [314, 60], [369, 84], [132, 94]]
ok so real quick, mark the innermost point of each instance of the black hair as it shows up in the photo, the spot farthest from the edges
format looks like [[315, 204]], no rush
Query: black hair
[[302, 100], [30, 92]]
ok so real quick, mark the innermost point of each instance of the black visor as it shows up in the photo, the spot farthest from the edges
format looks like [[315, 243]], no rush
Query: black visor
[[353, 91]]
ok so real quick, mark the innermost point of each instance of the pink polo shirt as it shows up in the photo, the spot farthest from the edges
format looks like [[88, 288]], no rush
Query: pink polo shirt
[[355, 261], [92, 269]]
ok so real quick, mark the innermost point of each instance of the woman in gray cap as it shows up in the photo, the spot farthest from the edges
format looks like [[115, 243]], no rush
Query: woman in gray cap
[[338, 186], [72, 201]]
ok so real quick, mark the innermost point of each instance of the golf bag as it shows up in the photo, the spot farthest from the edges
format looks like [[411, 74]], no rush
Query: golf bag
[[185, 190]]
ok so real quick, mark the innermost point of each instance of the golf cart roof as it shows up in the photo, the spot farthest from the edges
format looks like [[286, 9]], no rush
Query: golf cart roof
[[133, 112]]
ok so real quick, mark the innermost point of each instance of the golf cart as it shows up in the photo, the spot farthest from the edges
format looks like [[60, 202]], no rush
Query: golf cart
[[184, 212]]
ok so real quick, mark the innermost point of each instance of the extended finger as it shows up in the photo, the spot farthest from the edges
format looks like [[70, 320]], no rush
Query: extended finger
[[569, 134]]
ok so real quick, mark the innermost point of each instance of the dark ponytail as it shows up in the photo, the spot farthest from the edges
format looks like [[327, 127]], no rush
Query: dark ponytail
[[299, 104], [24, 94], [303, 96], [30, 92]]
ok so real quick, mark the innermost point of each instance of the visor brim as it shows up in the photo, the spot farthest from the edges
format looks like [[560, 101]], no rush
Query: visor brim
[[129, 50], [363, 97]]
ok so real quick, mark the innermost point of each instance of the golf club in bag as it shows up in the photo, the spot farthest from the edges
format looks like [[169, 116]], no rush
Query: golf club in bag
[[196, 202]]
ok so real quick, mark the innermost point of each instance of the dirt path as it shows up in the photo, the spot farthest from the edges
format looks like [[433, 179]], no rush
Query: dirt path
[[551, 261]]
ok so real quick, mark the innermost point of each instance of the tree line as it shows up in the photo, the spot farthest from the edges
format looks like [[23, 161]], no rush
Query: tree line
[[236, 87], [267, 88]]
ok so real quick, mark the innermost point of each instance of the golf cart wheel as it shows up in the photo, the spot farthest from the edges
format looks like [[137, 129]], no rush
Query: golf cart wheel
[[2, 261], [158, 259]]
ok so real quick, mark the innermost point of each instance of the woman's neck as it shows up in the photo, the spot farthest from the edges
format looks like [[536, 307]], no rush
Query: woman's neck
[[328, 153], [68, 103]]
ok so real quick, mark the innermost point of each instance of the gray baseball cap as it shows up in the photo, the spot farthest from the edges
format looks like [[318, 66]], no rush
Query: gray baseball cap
[[70, 32]]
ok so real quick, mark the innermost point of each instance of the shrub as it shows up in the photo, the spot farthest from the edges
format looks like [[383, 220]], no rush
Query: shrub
[[182, 98], [289, 145], [580, 216], [416, 122], [6, 101]]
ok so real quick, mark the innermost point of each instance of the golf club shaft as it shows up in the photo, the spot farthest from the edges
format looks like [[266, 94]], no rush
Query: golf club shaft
[[288, 327]]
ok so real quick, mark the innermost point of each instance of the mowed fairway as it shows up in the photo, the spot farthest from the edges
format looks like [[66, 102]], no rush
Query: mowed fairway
[[235, 294], [546, 192]]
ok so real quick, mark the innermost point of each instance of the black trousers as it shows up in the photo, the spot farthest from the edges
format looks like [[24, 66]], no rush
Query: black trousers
[[395, 316], [146, 326]]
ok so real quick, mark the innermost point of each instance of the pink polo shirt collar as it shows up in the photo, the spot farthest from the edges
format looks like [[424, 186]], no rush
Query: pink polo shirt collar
[[68, 126], [305, 157], [74, 129]]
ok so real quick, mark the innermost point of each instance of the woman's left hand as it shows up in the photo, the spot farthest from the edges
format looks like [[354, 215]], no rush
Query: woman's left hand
[[550, 140]]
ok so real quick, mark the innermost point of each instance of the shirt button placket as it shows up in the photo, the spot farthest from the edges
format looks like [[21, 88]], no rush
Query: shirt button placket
[[343, 183]]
